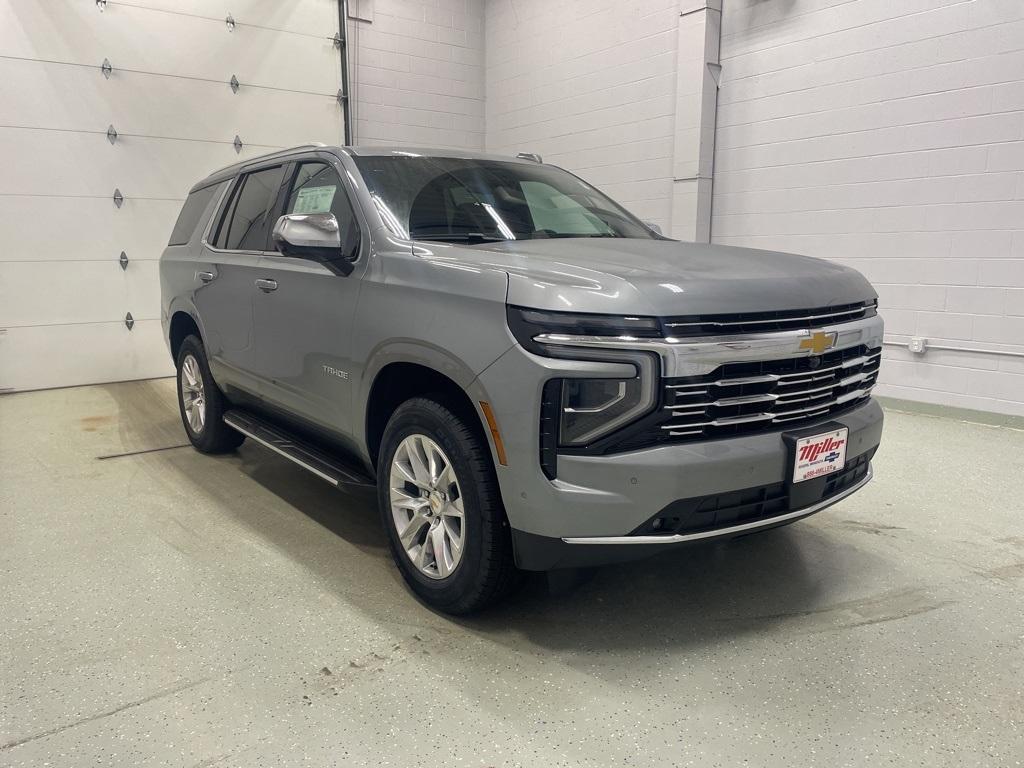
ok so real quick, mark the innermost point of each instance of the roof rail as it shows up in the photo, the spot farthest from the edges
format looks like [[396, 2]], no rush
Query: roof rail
[[286, 151], [230, 170], [271, 155]]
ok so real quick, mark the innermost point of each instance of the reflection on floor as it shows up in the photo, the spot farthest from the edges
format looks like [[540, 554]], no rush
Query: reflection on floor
[[162, 607]]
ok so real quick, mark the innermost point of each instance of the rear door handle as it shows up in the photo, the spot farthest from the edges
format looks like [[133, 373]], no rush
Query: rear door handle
[[266, 285], [206, 277]]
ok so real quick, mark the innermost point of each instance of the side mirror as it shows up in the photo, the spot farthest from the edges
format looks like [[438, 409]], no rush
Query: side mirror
[[309, 236], [653, 227]]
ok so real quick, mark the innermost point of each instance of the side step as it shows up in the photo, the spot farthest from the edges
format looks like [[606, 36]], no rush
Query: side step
[[331, 468]]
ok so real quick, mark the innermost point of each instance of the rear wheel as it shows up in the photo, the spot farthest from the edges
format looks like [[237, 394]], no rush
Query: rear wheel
[[201, 403], [441, 508]]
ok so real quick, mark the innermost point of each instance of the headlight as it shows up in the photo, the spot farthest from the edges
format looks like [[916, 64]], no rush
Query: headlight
[[589, 409], [576, 413], [595, 407]]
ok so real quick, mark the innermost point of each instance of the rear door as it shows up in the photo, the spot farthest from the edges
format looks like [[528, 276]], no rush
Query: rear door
[[304, 315], [227, 272]]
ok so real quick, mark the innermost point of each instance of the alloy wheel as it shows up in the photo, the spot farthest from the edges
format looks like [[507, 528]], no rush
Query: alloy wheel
[[427, 507], [193, 397]]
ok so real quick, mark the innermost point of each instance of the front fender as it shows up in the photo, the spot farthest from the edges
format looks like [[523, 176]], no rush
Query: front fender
[[417, 352], [429, 356]]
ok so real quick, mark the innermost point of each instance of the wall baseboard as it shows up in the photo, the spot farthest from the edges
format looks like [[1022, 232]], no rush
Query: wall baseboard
[[951, 412]]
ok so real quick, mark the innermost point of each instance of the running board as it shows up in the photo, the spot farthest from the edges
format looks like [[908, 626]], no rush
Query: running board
[[331, 468]]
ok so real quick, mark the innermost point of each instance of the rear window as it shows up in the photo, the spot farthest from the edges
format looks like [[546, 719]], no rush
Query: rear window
[[246, 224], [193, 209]]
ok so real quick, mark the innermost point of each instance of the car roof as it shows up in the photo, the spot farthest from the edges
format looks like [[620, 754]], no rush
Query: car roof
[[460, 154], [230, 171]]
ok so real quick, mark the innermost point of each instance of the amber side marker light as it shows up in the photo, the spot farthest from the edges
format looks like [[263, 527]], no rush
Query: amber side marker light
[[492, 425]]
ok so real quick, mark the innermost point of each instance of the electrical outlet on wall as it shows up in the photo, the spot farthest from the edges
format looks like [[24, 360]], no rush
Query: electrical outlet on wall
[[917, 345]]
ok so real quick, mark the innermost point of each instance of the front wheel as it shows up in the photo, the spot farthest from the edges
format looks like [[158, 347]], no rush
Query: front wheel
[[440, 505]]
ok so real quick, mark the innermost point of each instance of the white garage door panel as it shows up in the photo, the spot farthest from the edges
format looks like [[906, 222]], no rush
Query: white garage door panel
[[79, 99], [174, 44], [63, 294], [68, 355], [82, 228], [58, 163], [77, 292], [308, 17]]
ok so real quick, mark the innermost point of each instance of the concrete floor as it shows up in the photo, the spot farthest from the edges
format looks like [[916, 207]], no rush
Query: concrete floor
[[168, 608]]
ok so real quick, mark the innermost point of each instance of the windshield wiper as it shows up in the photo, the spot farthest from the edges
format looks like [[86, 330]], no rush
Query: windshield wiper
[[472, 238], [563, 235]]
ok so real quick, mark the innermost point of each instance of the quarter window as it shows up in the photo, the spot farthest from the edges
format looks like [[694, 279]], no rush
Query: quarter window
[[190, 213]]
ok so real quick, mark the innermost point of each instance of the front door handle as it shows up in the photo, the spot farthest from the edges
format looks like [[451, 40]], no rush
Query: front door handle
[[266, 285], [206, 277]]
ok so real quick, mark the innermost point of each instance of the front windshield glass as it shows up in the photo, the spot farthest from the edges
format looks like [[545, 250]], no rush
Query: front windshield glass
[[474, 201]]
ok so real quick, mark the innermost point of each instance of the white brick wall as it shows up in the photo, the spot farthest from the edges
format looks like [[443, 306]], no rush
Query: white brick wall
[[590, 85], [888, 136], [418, 73]]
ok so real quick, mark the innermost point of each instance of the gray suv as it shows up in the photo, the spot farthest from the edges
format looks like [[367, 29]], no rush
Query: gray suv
[[533, 378]]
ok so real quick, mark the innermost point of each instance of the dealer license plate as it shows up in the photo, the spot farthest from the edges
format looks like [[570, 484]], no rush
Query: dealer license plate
[[820, 455]]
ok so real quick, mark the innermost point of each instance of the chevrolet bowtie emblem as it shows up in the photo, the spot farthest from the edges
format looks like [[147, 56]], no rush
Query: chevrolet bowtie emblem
[[818, 342]]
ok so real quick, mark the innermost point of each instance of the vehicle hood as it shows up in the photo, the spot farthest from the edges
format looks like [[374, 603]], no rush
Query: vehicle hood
[[664, 277]]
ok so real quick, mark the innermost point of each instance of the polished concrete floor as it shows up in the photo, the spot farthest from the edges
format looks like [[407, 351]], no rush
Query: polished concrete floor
[[167, 608]]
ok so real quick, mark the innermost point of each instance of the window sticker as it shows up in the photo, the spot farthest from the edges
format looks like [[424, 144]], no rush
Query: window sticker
[[315, 199]]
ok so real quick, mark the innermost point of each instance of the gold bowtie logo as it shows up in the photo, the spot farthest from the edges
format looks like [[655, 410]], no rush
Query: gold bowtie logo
[[818, 342]]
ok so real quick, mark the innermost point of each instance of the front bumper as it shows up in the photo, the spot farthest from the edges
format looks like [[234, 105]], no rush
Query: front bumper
[[596, 502], [729, 530], [544, 553]]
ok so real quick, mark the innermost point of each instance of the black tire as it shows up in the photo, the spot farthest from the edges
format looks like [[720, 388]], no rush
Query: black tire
[[212, 435], [486, 571]]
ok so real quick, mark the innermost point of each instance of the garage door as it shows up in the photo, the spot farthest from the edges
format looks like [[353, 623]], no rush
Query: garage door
[[85, 213]]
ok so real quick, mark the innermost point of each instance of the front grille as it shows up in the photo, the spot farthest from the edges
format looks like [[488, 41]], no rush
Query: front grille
[[742, 398], [722, 510], [764, 322]]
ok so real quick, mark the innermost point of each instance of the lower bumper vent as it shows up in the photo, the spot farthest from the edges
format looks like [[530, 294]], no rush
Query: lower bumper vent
[[706, 513]]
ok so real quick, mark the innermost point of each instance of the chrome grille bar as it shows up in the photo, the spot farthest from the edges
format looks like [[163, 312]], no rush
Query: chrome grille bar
[[838, 316], [775, 417], [772, 397], [785, 378]]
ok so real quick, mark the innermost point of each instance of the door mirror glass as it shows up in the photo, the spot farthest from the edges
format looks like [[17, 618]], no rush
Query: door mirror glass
[[308, 236]]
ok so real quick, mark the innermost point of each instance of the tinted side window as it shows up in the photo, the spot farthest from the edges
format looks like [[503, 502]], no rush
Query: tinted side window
[[316, 188], [194, 206], [246, 224]]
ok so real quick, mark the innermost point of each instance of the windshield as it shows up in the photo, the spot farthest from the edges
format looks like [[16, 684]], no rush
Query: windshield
[[475, 201]]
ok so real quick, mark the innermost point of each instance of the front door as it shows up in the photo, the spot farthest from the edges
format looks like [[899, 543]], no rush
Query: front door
[[305, 312]]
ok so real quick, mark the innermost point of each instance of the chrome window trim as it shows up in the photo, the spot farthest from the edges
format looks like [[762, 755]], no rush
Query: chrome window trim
[[308, 153], [240, 253], [731, 530]]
